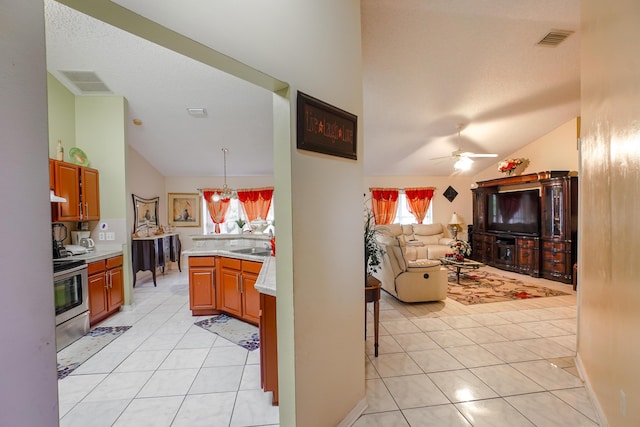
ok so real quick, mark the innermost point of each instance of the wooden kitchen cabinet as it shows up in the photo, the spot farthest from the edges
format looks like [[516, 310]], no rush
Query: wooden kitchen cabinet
[[80, 186], [106, 288], [202, 285], [268, 346], [237, 294]]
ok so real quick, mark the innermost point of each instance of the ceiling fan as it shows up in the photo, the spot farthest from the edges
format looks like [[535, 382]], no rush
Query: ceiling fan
[[464, 158]]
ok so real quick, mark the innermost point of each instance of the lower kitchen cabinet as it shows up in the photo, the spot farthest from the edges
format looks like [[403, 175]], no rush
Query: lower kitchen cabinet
[[106, 288], [237, 294], [202, 285], [268, 346]]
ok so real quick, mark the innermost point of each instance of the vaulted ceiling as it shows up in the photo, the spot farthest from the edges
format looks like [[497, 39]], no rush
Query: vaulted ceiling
[[428, 67]]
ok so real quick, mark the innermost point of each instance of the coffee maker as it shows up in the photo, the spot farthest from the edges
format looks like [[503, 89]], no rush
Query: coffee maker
[[59, 233]]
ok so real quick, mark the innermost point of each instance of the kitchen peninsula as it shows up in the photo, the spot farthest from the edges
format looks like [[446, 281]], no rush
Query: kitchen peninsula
[[235, 274]]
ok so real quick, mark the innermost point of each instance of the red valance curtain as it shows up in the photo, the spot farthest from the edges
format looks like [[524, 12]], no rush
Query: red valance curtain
[[217, 209], [418, 201], [256, 202], [384, 204]]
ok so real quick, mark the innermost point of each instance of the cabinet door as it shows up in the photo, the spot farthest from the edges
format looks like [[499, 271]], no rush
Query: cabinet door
[[268, 346], [202, 291], [250, 298], [90, 194], [116, 288], [67, 177], [97, 297], [230, 296]]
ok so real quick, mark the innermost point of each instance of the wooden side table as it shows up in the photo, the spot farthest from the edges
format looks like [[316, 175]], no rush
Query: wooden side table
[[372, 294]]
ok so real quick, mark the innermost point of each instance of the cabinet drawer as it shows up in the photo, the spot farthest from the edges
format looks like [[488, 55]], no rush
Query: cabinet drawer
[[116, 261], [526, 243], [554, 261], [554, 247], [202, 261], [96, 267], [231, 263], [251, 267]]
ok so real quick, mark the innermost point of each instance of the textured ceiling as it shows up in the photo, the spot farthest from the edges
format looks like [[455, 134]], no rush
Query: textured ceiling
[[428, 66]]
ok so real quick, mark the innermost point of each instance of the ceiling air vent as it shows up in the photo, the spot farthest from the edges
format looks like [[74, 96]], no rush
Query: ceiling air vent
[[87, 82], [554, 38]]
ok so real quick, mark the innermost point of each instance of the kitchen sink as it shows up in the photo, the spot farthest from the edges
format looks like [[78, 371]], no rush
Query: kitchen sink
[[253, 251]]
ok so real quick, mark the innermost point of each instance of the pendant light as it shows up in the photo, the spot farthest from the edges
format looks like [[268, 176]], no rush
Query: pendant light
[[227, 193]]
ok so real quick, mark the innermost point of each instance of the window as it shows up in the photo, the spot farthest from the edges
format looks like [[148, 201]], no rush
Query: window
[[403, 216], [234, 213]]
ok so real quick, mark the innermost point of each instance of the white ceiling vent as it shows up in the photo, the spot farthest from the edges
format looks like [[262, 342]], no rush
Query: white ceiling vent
[[87, 82], [554, 38]]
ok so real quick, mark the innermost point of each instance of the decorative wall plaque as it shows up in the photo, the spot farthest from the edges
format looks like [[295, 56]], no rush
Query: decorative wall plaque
[[450, 193]]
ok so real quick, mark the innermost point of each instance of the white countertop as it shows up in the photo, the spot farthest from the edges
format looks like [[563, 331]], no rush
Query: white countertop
[[97, 255], [266, 283]]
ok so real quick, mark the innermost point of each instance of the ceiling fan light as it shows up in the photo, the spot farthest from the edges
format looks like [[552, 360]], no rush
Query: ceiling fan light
[[463, 164]]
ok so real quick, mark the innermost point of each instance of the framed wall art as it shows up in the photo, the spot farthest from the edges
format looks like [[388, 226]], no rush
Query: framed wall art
[[145, 212], [184, 209], [325, 129]]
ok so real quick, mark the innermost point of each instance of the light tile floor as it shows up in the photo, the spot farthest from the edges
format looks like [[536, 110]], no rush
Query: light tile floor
[[165, 371], [499, 364], [440, 364]]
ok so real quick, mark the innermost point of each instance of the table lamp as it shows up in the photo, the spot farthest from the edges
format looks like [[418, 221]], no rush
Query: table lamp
[[454, 225]]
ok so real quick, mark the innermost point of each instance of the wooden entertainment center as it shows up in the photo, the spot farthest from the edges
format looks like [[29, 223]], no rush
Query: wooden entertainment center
[[550, 250]]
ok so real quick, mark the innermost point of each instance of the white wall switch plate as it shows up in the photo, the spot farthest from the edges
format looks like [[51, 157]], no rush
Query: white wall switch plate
[[101, 236]]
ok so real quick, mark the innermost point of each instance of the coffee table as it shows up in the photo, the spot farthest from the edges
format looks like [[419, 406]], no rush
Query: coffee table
[[453, 263]]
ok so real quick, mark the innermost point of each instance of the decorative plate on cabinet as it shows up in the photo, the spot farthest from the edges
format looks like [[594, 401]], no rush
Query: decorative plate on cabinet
[[78, 157]]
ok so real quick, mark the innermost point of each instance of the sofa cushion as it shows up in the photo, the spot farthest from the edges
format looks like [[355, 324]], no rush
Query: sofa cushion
[[433, 239], [412, 253], [422, 263], [398, 253], [427, 229], [389, 229]]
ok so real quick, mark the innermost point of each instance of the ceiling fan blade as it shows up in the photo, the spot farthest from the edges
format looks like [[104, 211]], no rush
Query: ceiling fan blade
[[440, 158], [478, 155]]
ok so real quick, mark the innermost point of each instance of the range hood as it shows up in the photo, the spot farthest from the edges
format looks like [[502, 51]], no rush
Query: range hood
[[55, 198]]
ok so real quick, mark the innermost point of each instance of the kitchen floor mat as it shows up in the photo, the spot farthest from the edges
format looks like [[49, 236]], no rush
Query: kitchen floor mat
[[74, 355], [243, 334]]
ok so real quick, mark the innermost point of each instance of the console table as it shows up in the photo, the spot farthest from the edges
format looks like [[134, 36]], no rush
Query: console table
[[149, 253]]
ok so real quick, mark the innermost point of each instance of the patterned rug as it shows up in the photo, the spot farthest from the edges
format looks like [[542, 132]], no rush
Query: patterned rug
[[234, 330], [479, 287], [74, 355]]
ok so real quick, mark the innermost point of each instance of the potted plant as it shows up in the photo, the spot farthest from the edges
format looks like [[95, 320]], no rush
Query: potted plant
[[241, 224], [373, 252]]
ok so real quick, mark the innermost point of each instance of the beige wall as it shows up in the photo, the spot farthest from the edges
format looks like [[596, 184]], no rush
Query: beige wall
[[608, 275], [62, 117], [29, 385], [557, 150], [174, 184], [442, 208]]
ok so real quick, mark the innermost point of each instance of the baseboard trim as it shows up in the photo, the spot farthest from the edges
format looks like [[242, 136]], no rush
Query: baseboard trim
[[354, 414], [592, 396]]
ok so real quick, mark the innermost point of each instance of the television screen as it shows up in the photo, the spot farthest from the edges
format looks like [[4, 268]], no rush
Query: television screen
[[515, 212]]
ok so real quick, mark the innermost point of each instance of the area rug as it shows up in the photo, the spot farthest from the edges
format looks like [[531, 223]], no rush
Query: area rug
[[234, 330], [74, 355], [479, 287]]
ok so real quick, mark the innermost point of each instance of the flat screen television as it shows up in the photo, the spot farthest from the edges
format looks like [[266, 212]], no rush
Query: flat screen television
[[516, 212]]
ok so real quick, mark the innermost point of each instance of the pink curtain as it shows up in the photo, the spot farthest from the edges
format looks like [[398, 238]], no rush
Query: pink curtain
[[256, 202], [217, 209], [384, 204], [418, 201]]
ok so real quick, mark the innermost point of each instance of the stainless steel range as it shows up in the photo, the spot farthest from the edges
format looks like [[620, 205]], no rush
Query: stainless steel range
[[71, 291]]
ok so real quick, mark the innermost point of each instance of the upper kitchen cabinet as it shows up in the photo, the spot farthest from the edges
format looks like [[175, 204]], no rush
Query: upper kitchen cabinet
[[80, 186]]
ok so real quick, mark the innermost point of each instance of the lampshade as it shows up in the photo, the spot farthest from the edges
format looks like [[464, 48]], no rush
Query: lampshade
[[455, 220]]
